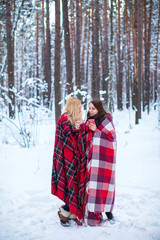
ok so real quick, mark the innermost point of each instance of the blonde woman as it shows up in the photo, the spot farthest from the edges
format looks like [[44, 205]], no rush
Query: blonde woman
[[69, 163]]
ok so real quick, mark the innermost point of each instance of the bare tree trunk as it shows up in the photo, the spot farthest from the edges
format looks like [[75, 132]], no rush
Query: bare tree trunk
[[77, 47], [1, 56], [147, 53], [84, 46], [10, 58], [57, 87], [69, 67], [43, 21], [37, 53], [43, 50], [135, 86], [105, 55], [111, 61], [140, 59], [145, 57], [156, 61], [72, 31], [119, 80], [95, 49], [88, 49], [127, 29], [48, 53]]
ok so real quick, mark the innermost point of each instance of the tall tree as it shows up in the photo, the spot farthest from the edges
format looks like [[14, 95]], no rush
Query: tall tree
[[120, 70], [111, 61], [10, 58], [156, 60], [43, 49], [37, 51], [88, 48], [57, 58], [48, 52], [105, 67], [77, 46], [69, 67], [1, 54], [147, 52], [140, 59], [84, 46], [95, 49], [127, 43], [135, 84], [72, 29]]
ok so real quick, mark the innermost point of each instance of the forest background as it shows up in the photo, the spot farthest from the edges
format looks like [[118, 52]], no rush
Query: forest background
[[51, 50]]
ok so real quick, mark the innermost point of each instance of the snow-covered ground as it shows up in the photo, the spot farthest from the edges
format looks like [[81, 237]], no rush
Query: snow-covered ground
[[29, 212]]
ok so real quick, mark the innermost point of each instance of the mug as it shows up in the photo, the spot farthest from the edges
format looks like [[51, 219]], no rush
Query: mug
[[91, 121], [80, 121]]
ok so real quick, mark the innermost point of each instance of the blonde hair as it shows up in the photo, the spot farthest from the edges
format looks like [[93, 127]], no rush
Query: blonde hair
[[72, 110]]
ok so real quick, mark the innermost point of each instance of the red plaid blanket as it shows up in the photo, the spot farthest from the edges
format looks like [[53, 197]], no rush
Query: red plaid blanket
[[69, 166], [100, 189]]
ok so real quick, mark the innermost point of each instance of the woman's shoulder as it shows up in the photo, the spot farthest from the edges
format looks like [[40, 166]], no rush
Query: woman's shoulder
[[63, 118], [106, 120], [108, 116]]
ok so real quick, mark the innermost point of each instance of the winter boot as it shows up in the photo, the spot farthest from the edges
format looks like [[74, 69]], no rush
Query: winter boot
[[64, 217], [109, 215], [71, 216]]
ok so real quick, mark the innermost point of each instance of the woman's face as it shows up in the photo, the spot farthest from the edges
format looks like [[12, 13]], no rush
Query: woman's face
[[92, 110]]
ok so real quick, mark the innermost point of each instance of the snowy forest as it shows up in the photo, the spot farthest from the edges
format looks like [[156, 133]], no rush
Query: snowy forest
[[50, 50]]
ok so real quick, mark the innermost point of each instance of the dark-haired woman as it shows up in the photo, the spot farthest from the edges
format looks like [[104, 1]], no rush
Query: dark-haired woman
[[101, 151]]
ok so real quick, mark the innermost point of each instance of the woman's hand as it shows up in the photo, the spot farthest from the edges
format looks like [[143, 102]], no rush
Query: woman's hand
[[77, 125], [92, 127]]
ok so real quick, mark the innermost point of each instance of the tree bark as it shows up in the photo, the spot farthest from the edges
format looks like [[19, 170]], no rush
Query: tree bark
[[77, 47], [84, 47], [140, 59], [57, 78], [156, 61], [37, 55], [88, 49], [72, 31], [48, 53], [119, 80], [10, 58], [135, 84], [111, 61], [147, 54], [127, 31], [43, 51], [1, 57], [105, 67], [95, 49], [68, 55]]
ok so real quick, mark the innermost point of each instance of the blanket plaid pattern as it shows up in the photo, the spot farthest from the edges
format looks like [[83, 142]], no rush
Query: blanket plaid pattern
[[100, 188], [69, 166]]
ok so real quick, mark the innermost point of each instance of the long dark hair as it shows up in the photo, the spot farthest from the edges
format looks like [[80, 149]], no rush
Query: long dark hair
[[101, 115]]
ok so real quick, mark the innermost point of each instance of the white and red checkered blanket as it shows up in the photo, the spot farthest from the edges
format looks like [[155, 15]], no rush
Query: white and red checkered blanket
[[100, 189]]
